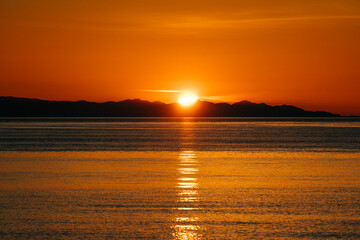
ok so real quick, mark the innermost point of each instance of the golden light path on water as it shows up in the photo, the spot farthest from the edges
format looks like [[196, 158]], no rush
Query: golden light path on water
[[185, 225], [188, 196]]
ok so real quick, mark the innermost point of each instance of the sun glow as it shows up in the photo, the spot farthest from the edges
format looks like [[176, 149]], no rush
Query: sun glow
[[187, 99]]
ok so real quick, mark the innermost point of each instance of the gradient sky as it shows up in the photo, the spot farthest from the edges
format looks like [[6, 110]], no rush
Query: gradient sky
[[304, 53]]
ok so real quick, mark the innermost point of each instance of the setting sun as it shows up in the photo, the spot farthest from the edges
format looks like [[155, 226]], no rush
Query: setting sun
[[187, 99]]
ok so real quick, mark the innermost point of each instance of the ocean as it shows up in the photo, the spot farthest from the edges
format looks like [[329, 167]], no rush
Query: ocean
[[179, 178]]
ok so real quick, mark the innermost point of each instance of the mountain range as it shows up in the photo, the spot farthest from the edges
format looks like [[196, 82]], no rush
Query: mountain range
[[28, 107]]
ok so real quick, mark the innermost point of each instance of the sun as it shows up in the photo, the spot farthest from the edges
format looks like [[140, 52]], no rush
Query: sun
[[187, 99]]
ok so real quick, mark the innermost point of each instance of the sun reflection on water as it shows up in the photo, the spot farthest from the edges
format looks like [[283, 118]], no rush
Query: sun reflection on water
[[185, 227]]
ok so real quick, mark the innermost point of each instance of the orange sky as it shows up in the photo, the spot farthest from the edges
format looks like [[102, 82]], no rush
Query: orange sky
[[304, 53]]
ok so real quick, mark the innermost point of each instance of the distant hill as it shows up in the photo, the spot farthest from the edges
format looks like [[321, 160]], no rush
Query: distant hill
[[27, 107]]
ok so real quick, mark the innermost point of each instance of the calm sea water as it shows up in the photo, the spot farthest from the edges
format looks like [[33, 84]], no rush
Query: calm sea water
[[180, 178]]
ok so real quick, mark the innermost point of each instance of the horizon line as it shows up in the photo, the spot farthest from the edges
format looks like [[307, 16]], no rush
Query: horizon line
[[199, 100]]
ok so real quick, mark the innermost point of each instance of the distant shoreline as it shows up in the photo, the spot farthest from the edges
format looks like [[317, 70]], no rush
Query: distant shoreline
[[28, 107]]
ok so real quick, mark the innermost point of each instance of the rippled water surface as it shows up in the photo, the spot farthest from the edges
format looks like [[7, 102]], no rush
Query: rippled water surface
[[170, 178]]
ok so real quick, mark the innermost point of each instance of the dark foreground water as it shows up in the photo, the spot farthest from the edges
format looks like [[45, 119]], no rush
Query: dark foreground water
[[180, 178]]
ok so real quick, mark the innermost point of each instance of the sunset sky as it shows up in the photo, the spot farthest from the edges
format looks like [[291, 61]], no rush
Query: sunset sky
[[304, 53]]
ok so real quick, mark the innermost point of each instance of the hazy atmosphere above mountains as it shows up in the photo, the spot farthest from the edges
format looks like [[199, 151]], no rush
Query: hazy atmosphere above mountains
[[302, 53]]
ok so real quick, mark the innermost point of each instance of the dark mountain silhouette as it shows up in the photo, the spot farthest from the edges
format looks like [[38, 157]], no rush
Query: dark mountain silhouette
[[26, 107]]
